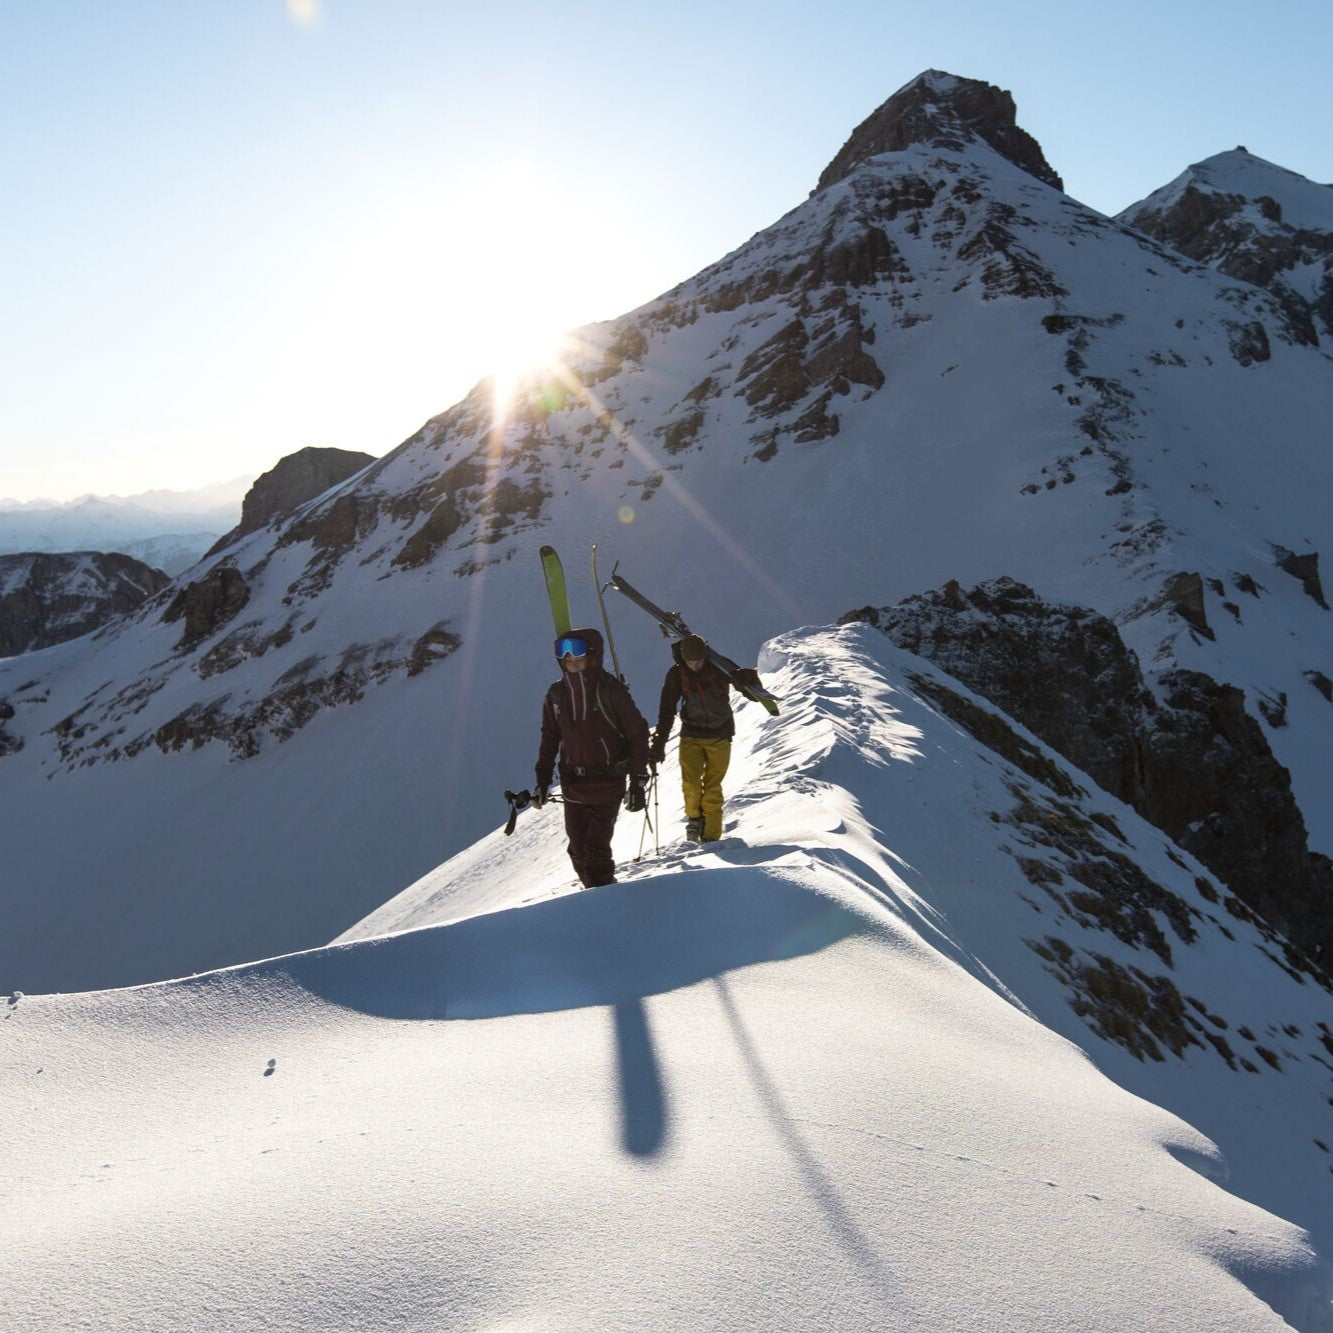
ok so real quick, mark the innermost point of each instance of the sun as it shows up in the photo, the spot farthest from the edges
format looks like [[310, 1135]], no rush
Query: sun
[[530, 349]]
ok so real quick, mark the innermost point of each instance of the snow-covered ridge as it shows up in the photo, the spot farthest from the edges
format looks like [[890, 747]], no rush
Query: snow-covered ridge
[[803, 1079]]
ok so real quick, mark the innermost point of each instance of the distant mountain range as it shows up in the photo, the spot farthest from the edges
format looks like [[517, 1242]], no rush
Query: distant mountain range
[[169, 530]]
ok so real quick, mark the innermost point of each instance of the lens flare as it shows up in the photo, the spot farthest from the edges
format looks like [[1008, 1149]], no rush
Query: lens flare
[[303, 12]]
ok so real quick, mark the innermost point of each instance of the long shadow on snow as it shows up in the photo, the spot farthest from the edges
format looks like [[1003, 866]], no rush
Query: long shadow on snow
[[601, 947]]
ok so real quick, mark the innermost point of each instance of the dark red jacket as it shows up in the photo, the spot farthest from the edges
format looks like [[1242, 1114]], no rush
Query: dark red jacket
[[590, 721], [704, 700]]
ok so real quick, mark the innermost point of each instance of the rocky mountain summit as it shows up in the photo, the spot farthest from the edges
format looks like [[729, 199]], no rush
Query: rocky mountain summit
[[942, 111], [48, 598], [295, 479]]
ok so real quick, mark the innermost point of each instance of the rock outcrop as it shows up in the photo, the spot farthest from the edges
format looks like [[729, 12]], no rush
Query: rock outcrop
[[286, 487], [46, 599], [207, 604], [9, 744], [1188, 756], [946, 111]]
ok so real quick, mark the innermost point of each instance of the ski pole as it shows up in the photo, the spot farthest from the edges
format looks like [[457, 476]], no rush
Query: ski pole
[[643, 833], [606, 623], [647, 820]]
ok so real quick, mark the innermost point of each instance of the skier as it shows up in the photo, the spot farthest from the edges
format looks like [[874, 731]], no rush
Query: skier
[[700, 690], [589, 719]]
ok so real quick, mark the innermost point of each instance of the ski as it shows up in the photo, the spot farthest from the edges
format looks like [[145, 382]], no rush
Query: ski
[[555, 590], [673, 625], [606, 623]]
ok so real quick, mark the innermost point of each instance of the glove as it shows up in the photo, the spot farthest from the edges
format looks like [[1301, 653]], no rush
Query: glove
[[634, 797], [747, 676], [539, 795], [657, 751]]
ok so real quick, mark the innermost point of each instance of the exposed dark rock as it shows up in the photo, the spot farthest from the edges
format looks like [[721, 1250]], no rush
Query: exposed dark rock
[[1064, 665], [296, 697], [1213, 785], [242, 644], [295, 479], [682, 432], [792, 365], [207, 604], [1305, 568], [1133, 1008], [1183, 593], [1249, 343], [441, 524], [332, 530], [9, 743], [433, 646], [46, 599], [1198, 766], [1009, 269], [948, 112], [865, 256]]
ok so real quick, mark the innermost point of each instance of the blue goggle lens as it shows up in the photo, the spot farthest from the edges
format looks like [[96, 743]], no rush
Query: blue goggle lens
[[571, 646]]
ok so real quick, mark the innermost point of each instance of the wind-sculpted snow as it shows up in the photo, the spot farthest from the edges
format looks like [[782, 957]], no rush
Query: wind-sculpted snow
[[597, 948]]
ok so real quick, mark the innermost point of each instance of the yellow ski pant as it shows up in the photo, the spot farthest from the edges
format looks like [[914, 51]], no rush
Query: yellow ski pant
[[703, 765]]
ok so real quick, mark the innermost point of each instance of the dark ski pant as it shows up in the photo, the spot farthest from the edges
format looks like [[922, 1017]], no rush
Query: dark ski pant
[[590, 820]]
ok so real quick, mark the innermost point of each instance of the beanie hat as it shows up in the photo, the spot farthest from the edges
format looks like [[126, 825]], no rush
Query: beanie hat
[[693, 648]]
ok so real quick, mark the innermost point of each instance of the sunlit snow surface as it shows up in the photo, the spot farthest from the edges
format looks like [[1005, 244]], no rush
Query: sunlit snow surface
[[810, 1078]]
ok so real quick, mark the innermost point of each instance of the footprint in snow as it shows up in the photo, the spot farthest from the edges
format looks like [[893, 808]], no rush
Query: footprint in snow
[[272, 1065]]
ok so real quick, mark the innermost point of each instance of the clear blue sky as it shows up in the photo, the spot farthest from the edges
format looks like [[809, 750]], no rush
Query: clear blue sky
[[231, 228]]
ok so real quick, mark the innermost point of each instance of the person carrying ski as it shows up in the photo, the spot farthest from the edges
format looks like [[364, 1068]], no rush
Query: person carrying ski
[[601, 738], [700, 691]]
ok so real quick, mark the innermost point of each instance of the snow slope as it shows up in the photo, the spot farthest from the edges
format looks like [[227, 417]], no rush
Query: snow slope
[[811, 1078]]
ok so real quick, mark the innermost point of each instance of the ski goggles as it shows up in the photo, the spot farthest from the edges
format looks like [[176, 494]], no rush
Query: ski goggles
[[570, 645]]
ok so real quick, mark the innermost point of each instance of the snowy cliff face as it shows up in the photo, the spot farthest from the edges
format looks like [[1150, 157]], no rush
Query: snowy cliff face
[[936, 367], [46, 599], [1192, 762]]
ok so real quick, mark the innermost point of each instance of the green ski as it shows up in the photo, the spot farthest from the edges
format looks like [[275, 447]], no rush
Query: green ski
[[555, 590]]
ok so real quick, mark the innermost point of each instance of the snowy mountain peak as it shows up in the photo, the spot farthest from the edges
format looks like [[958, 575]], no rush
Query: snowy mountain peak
[[1257, 222], [946, 111]]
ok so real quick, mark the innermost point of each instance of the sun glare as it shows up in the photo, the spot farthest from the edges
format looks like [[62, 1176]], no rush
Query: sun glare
[[532, 347], [484, 277], [303, 12]]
